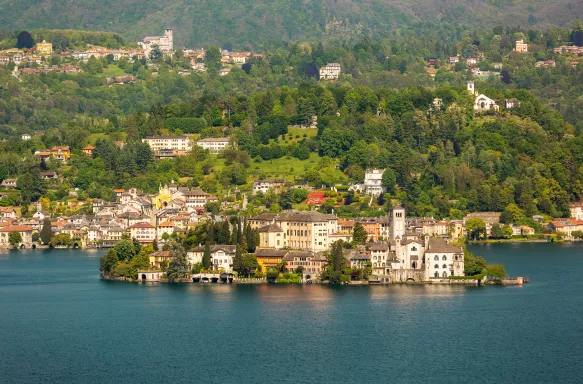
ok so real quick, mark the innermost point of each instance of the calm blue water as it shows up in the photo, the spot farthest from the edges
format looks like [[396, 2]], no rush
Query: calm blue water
[[60, 324]]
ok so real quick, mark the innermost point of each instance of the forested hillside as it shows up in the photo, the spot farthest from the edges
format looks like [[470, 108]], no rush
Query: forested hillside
[[253, 23]]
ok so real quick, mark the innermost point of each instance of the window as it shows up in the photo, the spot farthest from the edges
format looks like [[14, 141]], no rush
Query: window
[[444, 258], [436, 258], [436, 266], [413, 249], [444, 265], [444, 274]]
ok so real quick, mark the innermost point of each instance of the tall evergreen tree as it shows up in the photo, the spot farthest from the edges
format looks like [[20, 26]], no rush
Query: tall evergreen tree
[[206, 257], [46, 232]]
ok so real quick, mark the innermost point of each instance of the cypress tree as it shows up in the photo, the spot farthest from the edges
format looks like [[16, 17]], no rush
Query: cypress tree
[[206, 257], [46, 233]]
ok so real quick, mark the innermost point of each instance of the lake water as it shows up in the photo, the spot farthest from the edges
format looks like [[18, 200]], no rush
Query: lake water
[[60, 324]]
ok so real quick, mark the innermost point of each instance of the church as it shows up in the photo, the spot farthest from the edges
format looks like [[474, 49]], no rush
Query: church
[[482, 102], [164, 42]]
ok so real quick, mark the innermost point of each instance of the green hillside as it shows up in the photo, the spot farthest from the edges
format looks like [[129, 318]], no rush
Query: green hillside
[[253, 23]]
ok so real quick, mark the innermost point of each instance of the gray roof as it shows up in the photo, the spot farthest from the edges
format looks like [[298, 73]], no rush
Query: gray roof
[[439, 245], [271, 228], [311, 216], [271, 252]]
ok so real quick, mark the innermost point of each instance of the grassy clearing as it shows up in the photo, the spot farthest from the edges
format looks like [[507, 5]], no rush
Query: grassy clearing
[[112, 71], [293, 132], [286, 167]]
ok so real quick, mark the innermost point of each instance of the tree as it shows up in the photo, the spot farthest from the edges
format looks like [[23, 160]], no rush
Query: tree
[[238, 260], [359, 234], [249, 264], [24, 40], [475, 228], [46, 232], [206, 257], [177, 268], [496, 270], [125, 250], [15, 238], [213, 60], [155, 52], [31, 185], [108, 262], [389, 180]]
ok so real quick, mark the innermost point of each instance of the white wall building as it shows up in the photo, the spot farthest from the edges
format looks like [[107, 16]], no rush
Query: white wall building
[[221, 256], [443, 259], [178, 143], [214, 144], [330, 71], [164, 42]]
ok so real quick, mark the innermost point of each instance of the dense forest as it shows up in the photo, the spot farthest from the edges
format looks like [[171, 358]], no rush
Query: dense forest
[[256, 23], [443, 161]]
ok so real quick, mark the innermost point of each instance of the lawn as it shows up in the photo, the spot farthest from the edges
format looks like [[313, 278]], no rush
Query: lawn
[[112, 71], [286, 167], [299, 132], [92, 138]]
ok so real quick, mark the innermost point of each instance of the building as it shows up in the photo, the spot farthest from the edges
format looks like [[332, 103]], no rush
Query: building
[[481, 102], [521, 46], [443, 259], [511, 103], [330, 71], [44, 48], [214, 144], [196, 199], [372, 184], [221, 256], [269, 257], [25, 136], [173, 143], [61, 153], [164, 42], [266, 185], [576, 210], [299, 230], [144, 232], [162, 228], [160, 257], [566, 227], [8, 184], [24, 231], [88, 150], [313, 264]]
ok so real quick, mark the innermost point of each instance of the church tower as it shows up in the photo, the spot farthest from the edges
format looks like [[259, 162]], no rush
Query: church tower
[[398, 222], [169, 33], [471, 88]]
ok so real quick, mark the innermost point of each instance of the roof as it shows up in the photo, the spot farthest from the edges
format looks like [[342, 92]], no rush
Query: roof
[[214, 140], [16, 228], [271, 228], [439, 245], [270, 252], [166, 137], [142, 225], [311, 216], [264, 216], [217, 247]]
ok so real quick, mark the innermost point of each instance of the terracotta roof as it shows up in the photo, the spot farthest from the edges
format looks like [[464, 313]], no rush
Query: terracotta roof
[[142, 225], [16, 228]]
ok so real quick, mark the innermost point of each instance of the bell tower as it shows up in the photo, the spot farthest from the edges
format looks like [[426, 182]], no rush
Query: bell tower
[[471, 88], [169, 33], [398, 222]]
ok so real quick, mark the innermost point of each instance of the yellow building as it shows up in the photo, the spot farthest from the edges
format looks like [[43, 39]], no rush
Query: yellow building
[[162, 198], [269, 257], [160, 257], [44, 48], [61, 153]]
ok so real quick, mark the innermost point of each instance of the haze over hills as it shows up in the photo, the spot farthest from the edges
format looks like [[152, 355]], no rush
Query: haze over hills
[[253, 22]]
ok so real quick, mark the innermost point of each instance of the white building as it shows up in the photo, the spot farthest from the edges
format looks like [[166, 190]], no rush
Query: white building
[[176, 143], [511, 103], [443, 259], [214, 144], [330, 71], [266, 185], [576, 211], [164, 42], [221, 256], [143, 232], [26, 136], [521, 46], [481, 102]]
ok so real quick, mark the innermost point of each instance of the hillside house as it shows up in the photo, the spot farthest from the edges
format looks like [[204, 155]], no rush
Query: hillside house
[[330, 71]]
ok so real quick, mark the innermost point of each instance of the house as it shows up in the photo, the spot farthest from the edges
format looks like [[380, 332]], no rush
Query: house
[[471, 61], [271, 236], [160, 257], [372, 184], [125, 79], [566, 227], [25, 136], [521, 46], [161, 143], [432, 62], [24, 231], [144, 232], [443, 259], [357, 258], [482, 102], [240, 57], [162, 228], [330, 71], [224, 71], [196, 199], [312, 264], [511, 103], [576, 210], [44, 48], [526, 230], [221, 256], [306, 230], [49, 175], [7, 213], [43, 154], [454, 59], [88, 150], [263, 185], [4, 59], [269, 257], [214, 144], [165, 42], [61, 153], [8, 184]]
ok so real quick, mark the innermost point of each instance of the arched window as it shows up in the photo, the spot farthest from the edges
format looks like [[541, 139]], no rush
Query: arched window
[[455, 257], [444, 258], [414, 265], [413, 249], [436, 274], [436, 258], [444, 265], [444, 274], [436, 266]]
